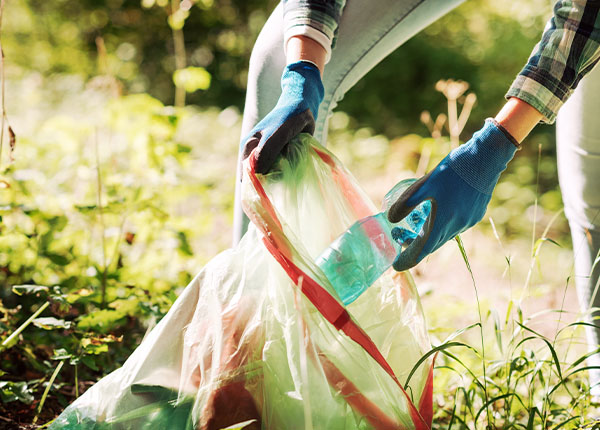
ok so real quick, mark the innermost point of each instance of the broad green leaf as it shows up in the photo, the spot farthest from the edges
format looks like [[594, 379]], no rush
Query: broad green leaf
[[57, 259], [29, 289], [94, 341], [102, 320], [192, 79], [92, 349], [126, 307], [12, 391], [98, 344], [61, 354], [51, 323], [89, 362], [431, 352]]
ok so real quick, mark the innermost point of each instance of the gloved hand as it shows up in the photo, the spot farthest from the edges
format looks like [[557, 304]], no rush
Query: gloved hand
[[459, 188], [296, 111]]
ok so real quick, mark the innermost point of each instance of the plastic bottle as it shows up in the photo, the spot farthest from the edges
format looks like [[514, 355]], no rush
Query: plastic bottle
[[357, 258]]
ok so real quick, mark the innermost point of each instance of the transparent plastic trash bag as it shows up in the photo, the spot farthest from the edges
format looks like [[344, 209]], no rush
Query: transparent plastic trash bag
[[260, 340]]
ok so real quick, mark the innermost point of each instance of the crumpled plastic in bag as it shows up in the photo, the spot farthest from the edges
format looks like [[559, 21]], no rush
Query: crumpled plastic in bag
[[259, 339]]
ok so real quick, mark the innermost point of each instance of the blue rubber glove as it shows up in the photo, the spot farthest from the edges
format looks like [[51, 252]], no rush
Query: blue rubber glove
[[296, 111], [459, 188]]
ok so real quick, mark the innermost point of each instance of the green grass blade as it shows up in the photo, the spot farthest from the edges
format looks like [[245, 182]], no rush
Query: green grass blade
[[566, 378], [498, 330], [451, 423], [554, 357], [430, 353], [577, 324], [562, 424], [531, 419], [508, 312], [524, 327], [583, 358], [467, 368], [463, 252], [47, 390], [550, 347], [11, 340], [461, 331], [525, 339], [491, 401]]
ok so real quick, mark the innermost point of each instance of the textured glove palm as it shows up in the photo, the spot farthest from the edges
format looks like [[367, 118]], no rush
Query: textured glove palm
[[459, 188], [296, 111]]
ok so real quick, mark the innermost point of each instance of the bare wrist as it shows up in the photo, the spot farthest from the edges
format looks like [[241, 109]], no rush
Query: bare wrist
[[518, 118], [302, 48]]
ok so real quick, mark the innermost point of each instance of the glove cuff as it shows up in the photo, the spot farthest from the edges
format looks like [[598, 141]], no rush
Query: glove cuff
[[506, 133], [303, 79], [480, 161]]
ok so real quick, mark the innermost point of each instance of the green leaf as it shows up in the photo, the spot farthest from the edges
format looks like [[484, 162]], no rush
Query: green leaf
[[498, 330], [565, 422], [183, 149], [92, 349], [192, 79], [126, 307], [434, 351], [508, 311], [97, 345], [12, 391], [177, 19], [60, 304], [86, 208], [584, 357], [58, 223], [89, 361], [45, 240], [25, 289], [57, 259], [550, 347], [51, 323], [61, 354], [461, 331], [532, 414], [491, 402], [102, 320], [184, 245]]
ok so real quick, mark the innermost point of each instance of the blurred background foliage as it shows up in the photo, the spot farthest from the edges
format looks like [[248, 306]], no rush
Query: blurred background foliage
[[482, 42], [135, 43], [127, 115]]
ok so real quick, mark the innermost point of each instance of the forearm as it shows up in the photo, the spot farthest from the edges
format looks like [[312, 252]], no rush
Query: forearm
[[568, 49], [306, 49], [518, 118]]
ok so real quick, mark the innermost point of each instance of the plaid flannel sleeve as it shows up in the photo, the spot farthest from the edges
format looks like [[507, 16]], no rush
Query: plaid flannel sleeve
[[569, 48], [317, 19]]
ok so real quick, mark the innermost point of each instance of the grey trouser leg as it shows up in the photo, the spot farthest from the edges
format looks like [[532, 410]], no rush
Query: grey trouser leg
[[368, 32], [578, 150]]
